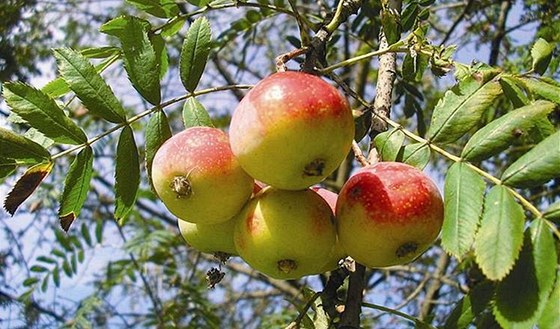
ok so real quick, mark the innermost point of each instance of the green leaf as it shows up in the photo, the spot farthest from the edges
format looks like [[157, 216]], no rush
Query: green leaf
[[157, 132], [194, 53], [89, 86], [542, 54], [38, 269], [499, 134], [537, 166], [7, 167], [409, 15], [552, 212], [550, 318], [417, 155], [158, 8], [173, 26], [140, 59], [464, 197], [46, 259], [513, 92], [500, 236], [76, 188], [161, 54], [461, 107], [127, 174], [389, 143], [199, 3], [26, 185], [30, 281], [391, 26], [56, 88], [543, 88], [42, 113], [100, 52], [56, 276], [470, 306], [195, 115], [85, 233], [13, 146], [414, 66]]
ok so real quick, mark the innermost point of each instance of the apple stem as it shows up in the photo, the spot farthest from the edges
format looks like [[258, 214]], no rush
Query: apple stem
[[287, 265]]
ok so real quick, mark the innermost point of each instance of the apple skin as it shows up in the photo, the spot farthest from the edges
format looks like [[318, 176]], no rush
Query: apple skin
[[210, 238], [285, 234], [291, 130], [197, 177], [387, 214]]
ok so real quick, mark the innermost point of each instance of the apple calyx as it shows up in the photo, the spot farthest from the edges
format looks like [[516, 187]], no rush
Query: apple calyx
[[287, 265], [181, 186], [222, 256], [314, 168]]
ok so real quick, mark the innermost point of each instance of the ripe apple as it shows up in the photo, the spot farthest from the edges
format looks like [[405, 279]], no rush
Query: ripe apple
[[387, 214], [291, 130], [285, 234], [338, 252], [197, 177], [214, 239]]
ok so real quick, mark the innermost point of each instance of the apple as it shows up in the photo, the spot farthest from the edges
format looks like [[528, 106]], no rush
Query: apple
[[388, 213], [285, 234], [216, 239], [291, 130], [197, 177]]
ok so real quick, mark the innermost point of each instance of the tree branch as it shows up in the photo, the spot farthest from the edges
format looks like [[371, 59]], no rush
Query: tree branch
[[500, 33], [350, 318], [36, 306], [457, 22], [433, 288]]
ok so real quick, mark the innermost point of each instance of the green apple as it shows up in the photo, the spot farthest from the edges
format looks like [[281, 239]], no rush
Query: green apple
[[216, 239], [388, 213], [291, 130], [197, 177], [285, 234]]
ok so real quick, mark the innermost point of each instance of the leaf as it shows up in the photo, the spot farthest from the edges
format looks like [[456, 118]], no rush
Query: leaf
[[543, 89], [76, 188], [26, 185], [141, 62], [195, 115], [500, 236], [56, 88], [550, 318], [100, 52], [194, 53], [470, 306], [541, 54], [158, 8], [127, 174], [161, 54], [89, 86], [388, 144], [30, 281], [199, 3], [157, 132], [409, 15], [513, 92], [461, 107], [38, 269], [391, 26], [499, 134], [537, 166], [173, 26], [42, 113], [7, 167], [552, 212], [417, 155], [464, 197], [414, 66], [13, 146]]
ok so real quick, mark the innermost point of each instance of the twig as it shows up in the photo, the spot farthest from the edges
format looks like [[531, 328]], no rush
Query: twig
[[500, 33], [457, 22], [433, 288], [350, 318], [36, 306], [359, 155]]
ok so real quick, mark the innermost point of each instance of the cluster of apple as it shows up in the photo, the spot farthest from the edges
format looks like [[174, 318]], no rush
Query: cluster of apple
[[251, 194]]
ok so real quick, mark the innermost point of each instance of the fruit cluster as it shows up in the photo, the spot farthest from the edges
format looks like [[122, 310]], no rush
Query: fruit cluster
[[290, 132]]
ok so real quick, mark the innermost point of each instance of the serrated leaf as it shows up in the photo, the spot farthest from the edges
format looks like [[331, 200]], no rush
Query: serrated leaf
[[173, 26], [195, 115], [541, 54], [42, 113], [194, 53], [389, 143], [16, 147], [470, 306], [550, 318], [157, 132], [26, 185], [56, 88], [140, 60], [416, 155], [552, 212], [76, 188], [89, 86], [464, 197], [461, 108], [161, 54], [127, 174], [543, 88], [513, 92], [158, 8], [499, 134], [537, 166], [500, 236]]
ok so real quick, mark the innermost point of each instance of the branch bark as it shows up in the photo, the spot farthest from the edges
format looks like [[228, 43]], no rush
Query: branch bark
[[350, 318], [500, 33], [432, 291]]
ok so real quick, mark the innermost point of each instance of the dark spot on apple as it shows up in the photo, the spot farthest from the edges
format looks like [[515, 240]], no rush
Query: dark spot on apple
[[406, 249], [181, 186], [314, 168], [287, 265], [355, 191]]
